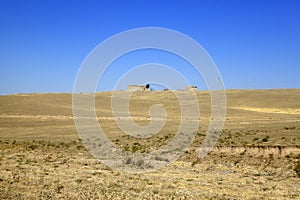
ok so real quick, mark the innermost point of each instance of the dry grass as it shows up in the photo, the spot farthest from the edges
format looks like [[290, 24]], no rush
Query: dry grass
[[256, 156], [52, 170]]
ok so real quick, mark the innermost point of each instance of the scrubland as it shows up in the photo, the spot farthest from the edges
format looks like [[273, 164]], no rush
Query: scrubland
[[257, 155]]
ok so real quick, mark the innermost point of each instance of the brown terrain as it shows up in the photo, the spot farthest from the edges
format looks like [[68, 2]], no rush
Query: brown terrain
[[256, 157]]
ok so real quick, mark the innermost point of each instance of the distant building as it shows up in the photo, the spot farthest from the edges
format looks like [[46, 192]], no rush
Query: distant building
[[137, 88], [191, 88]]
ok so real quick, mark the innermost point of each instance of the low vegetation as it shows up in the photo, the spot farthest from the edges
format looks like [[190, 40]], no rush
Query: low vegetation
[[256, 157]]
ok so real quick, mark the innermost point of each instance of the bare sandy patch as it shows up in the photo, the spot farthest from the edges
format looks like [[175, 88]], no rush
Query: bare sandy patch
[[289, 111]]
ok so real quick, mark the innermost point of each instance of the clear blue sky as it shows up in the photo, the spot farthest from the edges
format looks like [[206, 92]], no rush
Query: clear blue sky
[[255, 44]]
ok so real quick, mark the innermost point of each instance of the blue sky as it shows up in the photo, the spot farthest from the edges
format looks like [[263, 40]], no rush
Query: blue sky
[[255, 44]]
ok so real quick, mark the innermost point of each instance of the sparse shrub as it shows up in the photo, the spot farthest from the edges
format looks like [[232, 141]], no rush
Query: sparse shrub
[[271, 155], [265, 189], [134, 148], [243, 153], [155, 191], [255, 139], [140, 163], [126, 148], [32, 147], [161, 159], [149, 183], [201, 134], [265, 139], [79, 180], [236, 162], [297, 168], [194, 163], [128, 161], [289, 128], [50, 144]]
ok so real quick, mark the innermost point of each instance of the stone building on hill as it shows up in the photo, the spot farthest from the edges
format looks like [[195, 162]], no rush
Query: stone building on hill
[[138, 87], [191, 88]]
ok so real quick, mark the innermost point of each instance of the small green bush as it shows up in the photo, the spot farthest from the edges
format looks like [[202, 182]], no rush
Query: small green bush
[[265, 139], [297, 168], [32, 147], [134, 148], [194, 163]]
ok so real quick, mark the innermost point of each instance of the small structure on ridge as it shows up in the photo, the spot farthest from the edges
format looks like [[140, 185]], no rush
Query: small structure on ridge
[[138, 87], [191, 88]]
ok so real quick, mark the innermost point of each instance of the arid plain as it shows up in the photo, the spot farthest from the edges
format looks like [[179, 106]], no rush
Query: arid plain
[[256, 157]]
